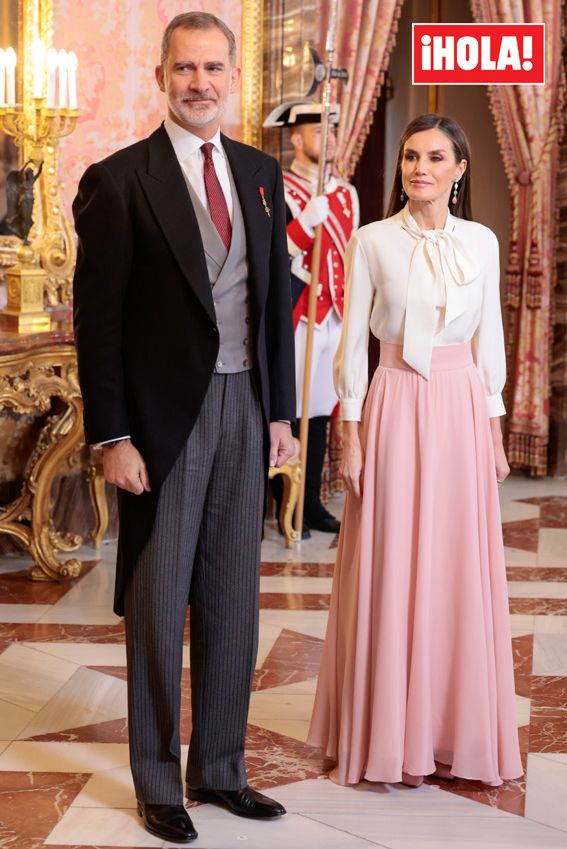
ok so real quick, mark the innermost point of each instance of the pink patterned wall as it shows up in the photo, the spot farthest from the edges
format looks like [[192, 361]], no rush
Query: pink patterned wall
[[117, 43]]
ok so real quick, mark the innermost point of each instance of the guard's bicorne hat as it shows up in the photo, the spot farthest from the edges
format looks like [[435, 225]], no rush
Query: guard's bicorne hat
[[296, 112]]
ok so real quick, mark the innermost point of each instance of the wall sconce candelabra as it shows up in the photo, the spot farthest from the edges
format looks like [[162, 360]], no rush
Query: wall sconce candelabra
[[37, 114]]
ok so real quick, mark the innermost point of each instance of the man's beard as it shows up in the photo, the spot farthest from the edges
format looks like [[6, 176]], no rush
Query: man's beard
[[198, 116], [314, 157]]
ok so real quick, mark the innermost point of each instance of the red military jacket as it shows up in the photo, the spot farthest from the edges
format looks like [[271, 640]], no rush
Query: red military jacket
[[343, 219]]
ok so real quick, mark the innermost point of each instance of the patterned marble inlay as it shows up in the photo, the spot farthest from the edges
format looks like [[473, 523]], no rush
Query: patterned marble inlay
[[16, 587], [523, 534], [70, 714], [552, 510], [33, 803]]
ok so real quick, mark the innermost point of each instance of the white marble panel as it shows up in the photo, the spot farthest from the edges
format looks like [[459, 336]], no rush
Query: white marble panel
[[84, 614], [13, 719], [101, 827], [550, 624], [546, 790], [521, 624], [217, 828], [313, 623], [19, 613], [87, 697], [550, 654], [84, 654], [519, 557], [22, 756], [318, 797], [517, 511], [294, 584], [552, 549], [537, 589], [297, 729], [30, 679], [90, 601], [112, 788], [299, 688], [268, 636], [314, 550], [264, 705], [518, 486], [523, 710]]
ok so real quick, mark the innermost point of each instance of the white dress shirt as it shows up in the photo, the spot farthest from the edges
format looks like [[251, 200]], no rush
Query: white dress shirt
[[187, 147], [421, 289]]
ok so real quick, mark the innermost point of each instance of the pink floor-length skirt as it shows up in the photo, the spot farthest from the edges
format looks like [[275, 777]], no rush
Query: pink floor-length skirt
[[417, 664]]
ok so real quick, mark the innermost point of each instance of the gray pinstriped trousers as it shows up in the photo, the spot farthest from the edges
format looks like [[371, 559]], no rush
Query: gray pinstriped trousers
[[205, 547]]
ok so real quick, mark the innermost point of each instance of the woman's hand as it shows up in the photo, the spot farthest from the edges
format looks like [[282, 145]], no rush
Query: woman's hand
[[351, 463], [501, 463]]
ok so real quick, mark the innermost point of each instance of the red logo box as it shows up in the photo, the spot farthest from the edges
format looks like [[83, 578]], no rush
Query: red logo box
[[478, 54]]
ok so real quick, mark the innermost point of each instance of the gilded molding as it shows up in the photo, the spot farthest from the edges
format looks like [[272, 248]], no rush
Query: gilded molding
[[252, 71]]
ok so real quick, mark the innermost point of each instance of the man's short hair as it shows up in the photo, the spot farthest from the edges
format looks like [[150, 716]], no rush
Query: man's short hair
[[198, 20]]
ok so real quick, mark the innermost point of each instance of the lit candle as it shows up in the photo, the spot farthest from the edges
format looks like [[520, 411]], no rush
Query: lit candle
[[52, 64], [10, 60], [2, 77], [62, 79], [72, 65], [38, 54]]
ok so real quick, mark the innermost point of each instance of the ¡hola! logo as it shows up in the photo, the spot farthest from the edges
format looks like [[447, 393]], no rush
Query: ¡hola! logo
[[478, 54]]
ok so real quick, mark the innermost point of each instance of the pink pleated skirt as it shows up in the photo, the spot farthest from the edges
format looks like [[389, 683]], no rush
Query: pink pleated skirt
[[417, 663]]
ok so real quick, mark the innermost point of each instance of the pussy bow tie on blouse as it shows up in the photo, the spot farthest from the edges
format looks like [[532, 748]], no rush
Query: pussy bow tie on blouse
[[441, 266]]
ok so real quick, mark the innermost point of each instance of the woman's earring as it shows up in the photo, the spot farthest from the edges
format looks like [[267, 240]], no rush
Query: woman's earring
[[402, 196], [455, 191]]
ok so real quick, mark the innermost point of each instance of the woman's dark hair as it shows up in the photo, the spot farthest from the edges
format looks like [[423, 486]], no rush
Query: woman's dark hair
[[461, 149]]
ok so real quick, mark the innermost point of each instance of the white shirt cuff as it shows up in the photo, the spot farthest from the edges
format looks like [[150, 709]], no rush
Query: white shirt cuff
[[106, 441], [351, 409], [495, 406]]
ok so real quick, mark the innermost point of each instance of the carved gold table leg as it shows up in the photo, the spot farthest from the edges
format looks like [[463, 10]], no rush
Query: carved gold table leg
[[28, 383], [291, 474], [97, 489]]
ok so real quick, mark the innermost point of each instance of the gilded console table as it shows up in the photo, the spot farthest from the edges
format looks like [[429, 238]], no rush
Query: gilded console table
[[38, 374]]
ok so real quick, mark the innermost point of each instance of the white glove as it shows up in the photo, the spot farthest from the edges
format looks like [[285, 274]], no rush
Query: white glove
[[315, 212]]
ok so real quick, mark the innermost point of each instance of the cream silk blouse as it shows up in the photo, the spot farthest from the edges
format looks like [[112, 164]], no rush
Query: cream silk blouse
[[421, 289]]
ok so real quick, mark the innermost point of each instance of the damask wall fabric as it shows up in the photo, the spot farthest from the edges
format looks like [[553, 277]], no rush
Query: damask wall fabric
[[117, 43], [529, 121]]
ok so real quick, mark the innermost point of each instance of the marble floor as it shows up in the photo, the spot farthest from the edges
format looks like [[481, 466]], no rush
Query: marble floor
[[64, 778]]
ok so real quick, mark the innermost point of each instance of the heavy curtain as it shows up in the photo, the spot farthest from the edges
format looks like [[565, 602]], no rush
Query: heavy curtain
[[366, 33], [529, 122]]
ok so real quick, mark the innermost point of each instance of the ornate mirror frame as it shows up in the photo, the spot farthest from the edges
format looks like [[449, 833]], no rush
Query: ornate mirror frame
[[51, 238]]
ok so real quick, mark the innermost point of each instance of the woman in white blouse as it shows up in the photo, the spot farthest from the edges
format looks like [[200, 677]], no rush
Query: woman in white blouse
[[417, 673]]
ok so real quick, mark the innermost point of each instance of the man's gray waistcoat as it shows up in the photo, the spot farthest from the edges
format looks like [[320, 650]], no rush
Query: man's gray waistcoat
[[228, 275]]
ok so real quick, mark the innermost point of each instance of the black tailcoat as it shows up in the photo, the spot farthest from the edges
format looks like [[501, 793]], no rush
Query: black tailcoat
[[145, 326]]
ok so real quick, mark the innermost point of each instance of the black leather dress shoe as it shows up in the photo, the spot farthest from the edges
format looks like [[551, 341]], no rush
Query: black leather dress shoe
[[321, 520], [170, 822], [245, 803]]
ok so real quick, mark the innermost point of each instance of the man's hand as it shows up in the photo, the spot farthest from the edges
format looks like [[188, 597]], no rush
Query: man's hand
[[123, 465], [282, 446]]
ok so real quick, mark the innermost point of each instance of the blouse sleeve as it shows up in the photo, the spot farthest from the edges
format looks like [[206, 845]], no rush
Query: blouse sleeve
[[351, 360], [488, 341]]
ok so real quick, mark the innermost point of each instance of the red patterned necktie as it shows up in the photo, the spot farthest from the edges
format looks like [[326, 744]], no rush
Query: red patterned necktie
[[215, 195]]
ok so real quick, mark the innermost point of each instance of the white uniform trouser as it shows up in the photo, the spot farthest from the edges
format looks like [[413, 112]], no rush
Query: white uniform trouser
[[325, 343]]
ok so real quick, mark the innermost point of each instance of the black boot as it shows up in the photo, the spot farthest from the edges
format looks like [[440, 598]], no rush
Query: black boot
[[316, 515]]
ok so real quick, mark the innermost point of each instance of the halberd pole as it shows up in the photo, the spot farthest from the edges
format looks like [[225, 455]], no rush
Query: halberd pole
[[315, 266]]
